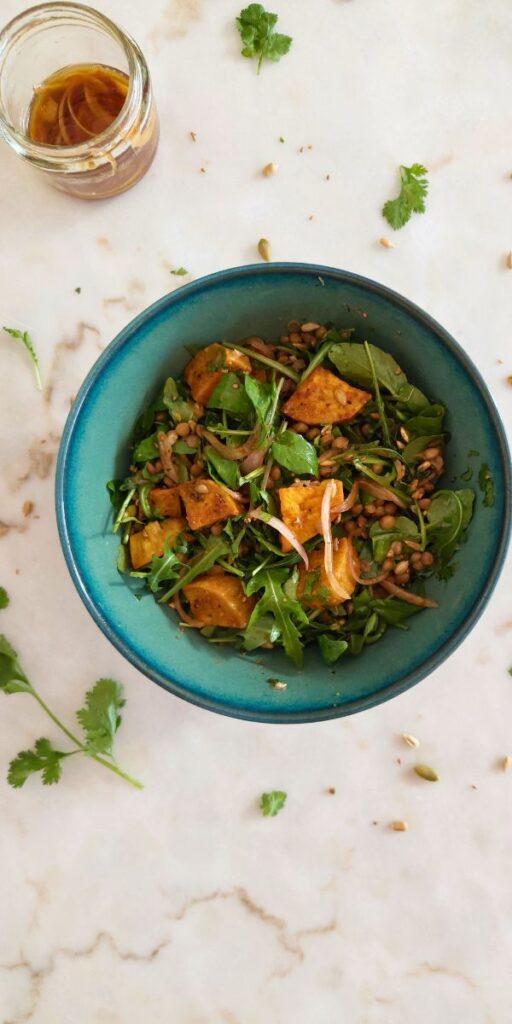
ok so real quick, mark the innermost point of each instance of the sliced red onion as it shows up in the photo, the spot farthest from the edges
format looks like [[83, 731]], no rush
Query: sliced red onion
[[283, 529], [384, 493], [329, 493], [233, 454], [176, 603], [405, 595], [350, 499]]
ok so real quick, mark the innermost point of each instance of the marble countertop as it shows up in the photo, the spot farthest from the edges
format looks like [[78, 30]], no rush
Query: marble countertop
[[182, 904]]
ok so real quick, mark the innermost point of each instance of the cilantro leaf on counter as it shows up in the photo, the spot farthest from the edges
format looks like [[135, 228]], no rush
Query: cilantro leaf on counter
[[179, 272], [4, 598], [100, 718], [411, 198], [256, 27], [26, 340], [12, 676], [43, 758], [272, 803]]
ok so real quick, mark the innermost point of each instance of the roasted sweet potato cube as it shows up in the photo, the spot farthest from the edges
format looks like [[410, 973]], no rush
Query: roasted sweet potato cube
[[166, 501], [207, 502], [219, 600], [205, 370], [313, 588], [301, 506], [151, 540], [325, 398]]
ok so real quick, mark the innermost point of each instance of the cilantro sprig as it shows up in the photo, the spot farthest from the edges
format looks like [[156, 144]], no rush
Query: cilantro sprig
[[26, 340], [257, 31], [272, 803], [411, 199], [100, 719]]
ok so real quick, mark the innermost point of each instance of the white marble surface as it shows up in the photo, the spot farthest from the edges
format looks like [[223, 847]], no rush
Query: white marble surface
[[182, 904]]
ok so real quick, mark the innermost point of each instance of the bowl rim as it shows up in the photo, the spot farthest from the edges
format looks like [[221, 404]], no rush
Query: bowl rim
[[174, 686]]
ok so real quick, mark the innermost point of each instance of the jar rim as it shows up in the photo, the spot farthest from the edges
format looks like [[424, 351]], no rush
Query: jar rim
[[59, 158]]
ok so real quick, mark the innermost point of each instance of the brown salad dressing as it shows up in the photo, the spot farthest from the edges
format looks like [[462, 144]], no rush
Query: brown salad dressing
[[76, 104]]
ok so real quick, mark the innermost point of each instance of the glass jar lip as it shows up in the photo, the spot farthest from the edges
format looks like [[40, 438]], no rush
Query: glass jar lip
[[60, 157]]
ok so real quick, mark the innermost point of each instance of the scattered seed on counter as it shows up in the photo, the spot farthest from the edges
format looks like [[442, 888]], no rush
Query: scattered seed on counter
[[426, 772], [270, 169], [509, 260], [264, 249], [506, 763], [386, 243], [27, 508], [399, 826], [410, 740]]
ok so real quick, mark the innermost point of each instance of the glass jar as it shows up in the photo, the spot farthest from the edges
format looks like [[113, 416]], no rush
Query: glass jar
[[50, 37]]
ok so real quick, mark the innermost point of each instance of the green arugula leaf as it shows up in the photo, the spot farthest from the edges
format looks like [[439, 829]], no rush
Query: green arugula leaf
[[26, 340], [4, 598], [147, 450], [393, 611], [115, 493], [230, 394], [378, 397], [263, 631], [411, 199], [486, 485], [351, 360], [448, 516], [225, 469], [331, 649], [179, 408], [261, 396], [420, 444], [446, 572], [272, 803], [256, 28], [292, 451], [404, 529], [216, 548], [164, 568], [428, 421], [180, 272], [44, 758], [100, 718], [282, 606], [12, 676]]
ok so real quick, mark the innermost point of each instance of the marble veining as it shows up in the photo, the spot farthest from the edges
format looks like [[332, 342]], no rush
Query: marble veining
[[181, 903]]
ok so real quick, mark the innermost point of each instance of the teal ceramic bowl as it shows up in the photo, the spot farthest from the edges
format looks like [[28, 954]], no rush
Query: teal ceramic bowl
[[227, 306]]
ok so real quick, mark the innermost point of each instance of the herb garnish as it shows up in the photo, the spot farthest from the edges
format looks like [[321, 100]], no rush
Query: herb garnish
[[4, 598], [486, 485], [272, 803], [256, 28], [411, 199], [26, 340], [180, 272], [100, 719]]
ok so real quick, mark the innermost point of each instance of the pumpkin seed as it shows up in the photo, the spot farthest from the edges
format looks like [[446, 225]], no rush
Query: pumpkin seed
[[264, 249], [410, 740], [426, 772]]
